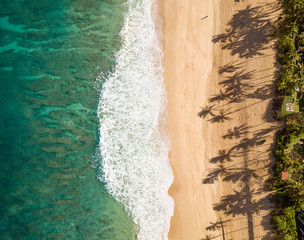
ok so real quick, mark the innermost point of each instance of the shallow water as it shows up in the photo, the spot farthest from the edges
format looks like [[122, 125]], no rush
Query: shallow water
[[50, 55]]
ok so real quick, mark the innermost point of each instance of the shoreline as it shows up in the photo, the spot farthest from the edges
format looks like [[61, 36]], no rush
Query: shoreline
[[224, 70], [192, 36]]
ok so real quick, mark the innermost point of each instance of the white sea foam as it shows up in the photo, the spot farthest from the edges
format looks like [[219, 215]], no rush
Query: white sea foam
[[133, 140]]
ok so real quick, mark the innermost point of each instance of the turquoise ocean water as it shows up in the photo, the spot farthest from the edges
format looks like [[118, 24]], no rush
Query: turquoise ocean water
[[50, 54]]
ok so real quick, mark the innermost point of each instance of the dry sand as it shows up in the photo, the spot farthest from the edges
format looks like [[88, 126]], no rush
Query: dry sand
[[219, 76]]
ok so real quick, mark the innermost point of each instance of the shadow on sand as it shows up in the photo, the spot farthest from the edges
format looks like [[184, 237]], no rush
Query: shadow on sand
[[248, 31], [247, 36]]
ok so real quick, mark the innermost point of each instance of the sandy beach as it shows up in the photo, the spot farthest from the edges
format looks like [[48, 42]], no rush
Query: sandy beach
[[220, 70]]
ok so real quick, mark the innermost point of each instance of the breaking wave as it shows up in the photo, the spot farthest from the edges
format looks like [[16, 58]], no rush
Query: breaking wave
[[133, 142]]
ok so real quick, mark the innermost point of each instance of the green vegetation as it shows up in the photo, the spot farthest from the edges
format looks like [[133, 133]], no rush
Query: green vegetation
[[288, 195], [300, 98], [289, 29], [286, 222], [295, 145]]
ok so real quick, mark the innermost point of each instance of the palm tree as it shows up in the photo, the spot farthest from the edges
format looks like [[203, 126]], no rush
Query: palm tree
[[293, 11], [294, 192], [286, 43], [292, 6], [300, 39], [285, 83]]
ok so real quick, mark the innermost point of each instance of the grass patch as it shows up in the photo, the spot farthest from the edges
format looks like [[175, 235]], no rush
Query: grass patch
[[298, 105], [287, 99]]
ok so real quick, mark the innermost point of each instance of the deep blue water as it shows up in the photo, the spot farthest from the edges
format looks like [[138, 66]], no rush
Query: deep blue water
[[51, 51]]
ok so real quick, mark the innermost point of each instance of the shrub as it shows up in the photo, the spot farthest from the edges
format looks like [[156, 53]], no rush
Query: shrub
[[285, 223]]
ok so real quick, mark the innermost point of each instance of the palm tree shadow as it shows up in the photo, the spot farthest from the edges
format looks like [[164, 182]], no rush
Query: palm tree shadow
[[236, 132], [238, 78], [238, 203], [237, 84], [223, 155], [247, 36], [248, 32], [240, 174], [229, 68], [221, 117], [214, 174], [209, 237], [219, 97], [205, 111], [216, 225], [262, 93]]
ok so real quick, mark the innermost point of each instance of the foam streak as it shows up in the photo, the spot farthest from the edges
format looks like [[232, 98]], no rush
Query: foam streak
[[133, 141]]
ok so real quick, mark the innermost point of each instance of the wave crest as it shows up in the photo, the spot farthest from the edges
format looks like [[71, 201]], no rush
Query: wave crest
[[133, 140]]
